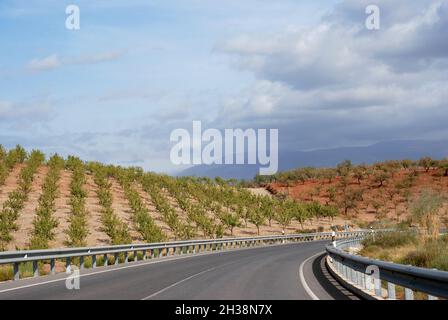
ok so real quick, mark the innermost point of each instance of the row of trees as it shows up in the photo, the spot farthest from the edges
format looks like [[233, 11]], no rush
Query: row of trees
[[77, 231], [113, 226], [151, 184], [234, 206], [143, 222], [44, 222], [16, 199], [197, 211]]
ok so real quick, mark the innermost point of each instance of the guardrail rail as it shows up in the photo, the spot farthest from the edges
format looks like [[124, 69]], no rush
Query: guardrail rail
[[379, 279], [76, 256]]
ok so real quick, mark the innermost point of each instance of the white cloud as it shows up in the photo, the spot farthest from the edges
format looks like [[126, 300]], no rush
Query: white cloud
[[44, 64], [338, 83], [54, 62]]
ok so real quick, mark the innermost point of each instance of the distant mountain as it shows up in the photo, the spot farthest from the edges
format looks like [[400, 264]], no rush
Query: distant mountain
[[390, 150]]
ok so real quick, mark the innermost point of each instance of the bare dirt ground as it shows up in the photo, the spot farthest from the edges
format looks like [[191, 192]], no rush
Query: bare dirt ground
[[395, 209], [62, 212], [96, 236]]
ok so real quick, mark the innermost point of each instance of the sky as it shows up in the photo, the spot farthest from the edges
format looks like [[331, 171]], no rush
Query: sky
[[138, 69]]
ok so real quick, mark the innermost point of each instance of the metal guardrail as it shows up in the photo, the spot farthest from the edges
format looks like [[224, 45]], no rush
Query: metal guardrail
[[380, 278], [149, 251]]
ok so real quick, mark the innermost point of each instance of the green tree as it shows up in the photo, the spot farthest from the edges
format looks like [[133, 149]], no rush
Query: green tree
[[380, 177], [230, 221], [285, 214], [359, 173], [349, 200], [426, 163], [443, 165], [268, 207], [344, 168], [257, 218]]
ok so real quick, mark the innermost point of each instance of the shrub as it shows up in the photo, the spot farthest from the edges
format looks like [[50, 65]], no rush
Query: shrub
[[390, 239]]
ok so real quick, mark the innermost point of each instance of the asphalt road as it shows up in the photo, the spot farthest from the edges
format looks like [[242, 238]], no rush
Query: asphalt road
[[290, 271]]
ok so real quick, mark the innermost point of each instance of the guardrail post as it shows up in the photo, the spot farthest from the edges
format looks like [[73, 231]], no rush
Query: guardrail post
[[368, 281], [106, 262], [378, 288], [81, 262], [362, 280], [16, 271], [408, 294], [35, 268], [52, 266], [145, 253], [68, 268], [391, 291], [358, 278], [344, 268], [337, 265], [135, 256], [116, 258], [126, 257], [93, 261]]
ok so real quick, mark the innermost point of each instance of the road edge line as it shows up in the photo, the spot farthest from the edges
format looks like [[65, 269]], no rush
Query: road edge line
[[302, 277]]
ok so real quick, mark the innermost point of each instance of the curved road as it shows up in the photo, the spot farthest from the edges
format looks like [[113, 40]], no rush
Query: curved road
[[290, 271]]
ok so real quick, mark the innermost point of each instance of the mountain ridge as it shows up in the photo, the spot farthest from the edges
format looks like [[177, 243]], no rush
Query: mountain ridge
[[380, 151]]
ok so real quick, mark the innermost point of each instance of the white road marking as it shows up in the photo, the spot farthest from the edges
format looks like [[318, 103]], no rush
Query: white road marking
[[135, 266], [86, 275], [302, 277], [177, 283]]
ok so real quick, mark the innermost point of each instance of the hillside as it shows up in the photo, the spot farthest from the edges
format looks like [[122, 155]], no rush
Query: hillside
[[51, 202], [383, 191], [54, 202]]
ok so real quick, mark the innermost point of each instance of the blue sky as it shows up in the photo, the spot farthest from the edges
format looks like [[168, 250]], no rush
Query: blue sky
[[113, 90]]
